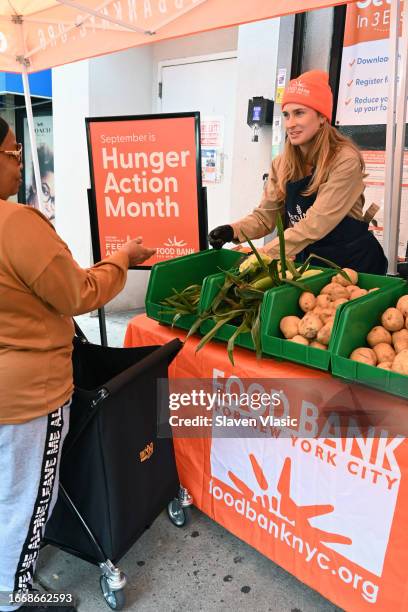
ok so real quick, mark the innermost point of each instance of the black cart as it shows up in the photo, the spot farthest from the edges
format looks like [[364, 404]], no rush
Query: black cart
[[116, 474]]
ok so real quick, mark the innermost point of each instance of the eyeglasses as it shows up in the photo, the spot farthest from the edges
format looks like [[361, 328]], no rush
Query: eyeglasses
[[17, 153]]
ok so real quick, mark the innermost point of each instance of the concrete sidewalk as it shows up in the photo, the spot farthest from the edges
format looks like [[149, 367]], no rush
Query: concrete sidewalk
[[200, 567]]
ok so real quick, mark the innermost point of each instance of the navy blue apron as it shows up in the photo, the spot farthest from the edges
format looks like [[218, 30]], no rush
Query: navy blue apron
[[349, 244]]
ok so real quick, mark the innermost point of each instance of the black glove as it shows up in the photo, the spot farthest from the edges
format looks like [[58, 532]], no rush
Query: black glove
[[220, 235]]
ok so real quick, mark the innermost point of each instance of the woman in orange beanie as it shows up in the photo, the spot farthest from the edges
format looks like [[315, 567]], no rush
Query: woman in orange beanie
[[316, 184]]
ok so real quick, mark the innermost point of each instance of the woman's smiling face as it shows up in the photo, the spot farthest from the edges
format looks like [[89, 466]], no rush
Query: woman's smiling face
[[301, 123]]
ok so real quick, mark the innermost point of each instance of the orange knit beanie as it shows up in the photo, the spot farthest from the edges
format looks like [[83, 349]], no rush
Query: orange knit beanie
[[310, 89]]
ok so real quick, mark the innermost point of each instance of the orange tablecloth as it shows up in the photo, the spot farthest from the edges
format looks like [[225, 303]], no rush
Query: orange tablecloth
[[331, 510]]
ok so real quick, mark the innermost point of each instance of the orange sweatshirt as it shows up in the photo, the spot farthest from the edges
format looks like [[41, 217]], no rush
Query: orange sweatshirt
[[41, 288]]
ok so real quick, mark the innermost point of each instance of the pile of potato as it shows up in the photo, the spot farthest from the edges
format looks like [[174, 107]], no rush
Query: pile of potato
[[388, 342], [315, 327]]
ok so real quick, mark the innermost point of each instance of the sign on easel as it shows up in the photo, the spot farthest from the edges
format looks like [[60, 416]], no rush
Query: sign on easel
[[146, 181]]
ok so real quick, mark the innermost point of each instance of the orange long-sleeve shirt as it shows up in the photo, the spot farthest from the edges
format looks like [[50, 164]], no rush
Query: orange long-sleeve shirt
[[41, 288]]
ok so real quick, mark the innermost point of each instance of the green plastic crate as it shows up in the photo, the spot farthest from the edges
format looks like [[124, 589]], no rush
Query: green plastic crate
[[357, 320], [179, 273], [210, 289], [277, 307]]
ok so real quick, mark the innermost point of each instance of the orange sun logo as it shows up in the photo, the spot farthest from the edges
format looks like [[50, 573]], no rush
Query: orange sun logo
[[286, 506]]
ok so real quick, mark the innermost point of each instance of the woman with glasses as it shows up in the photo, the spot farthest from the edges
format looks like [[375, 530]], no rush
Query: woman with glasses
[[41, 288]]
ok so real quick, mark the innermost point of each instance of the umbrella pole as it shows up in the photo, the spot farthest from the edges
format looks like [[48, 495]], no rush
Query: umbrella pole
[[33, 140], [395, 211], [390, 133]]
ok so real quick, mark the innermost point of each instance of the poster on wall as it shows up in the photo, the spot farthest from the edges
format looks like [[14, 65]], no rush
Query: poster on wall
[[146, 181], [363, 90], [45, 149], [363, 100], [212, 149]]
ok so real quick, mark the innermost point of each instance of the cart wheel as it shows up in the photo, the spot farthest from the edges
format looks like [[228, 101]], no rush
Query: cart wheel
[[178, 515], [115, 599]]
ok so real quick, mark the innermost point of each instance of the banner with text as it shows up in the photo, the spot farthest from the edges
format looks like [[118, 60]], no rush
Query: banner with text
[[363, 101], [363, 90], [146, 181]]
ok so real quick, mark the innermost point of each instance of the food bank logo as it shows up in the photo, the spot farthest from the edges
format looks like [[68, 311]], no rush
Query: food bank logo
[[283, 505], [329, 497], [298, 87], [173, 247], [173, 242]]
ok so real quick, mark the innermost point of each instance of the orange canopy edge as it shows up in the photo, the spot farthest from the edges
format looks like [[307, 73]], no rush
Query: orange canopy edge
[[40, 34]]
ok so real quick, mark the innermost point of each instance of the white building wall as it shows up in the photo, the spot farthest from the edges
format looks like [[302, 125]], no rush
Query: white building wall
[[257, 58], [70, 107]]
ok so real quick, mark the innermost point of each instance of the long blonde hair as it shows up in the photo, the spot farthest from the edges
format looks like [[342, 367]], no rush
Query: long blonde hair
[[293, 165]]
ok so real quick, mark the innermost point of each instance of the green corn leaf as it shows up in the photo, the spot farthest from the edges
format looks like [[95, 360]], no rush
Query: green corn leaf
[[282, 246], [256, 333], [210, 335], [196, 325], [182, 298], [176, 318], [231, 342], [274, 272], [292, 269], [261, 262]]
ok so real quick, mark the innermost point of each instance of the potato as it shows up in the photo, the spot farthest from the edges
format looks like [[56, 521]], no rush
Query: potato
[[357, 293], [335, 291], [392, 319], [307, 301], [350, 289], [384, 352], [340, 301], [318, 345], [402, 305], [400, 340], [299, 340], [310, 325], [317, 310], [402, 334], [289, 326], [378, 334], [326, 314], [323, 300], [364, 355], [400, 345], [400, 363], [323, 335], [352, 274], [385, 365]]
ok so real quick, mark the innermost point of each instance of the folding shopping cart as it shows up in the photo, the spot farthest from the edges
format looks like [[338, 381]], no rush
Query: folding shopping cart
[[116, 474]]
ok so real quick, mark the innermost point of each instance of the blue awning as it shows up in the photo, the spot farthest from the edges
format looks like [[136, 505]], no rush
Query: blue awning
[[40, 83]]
